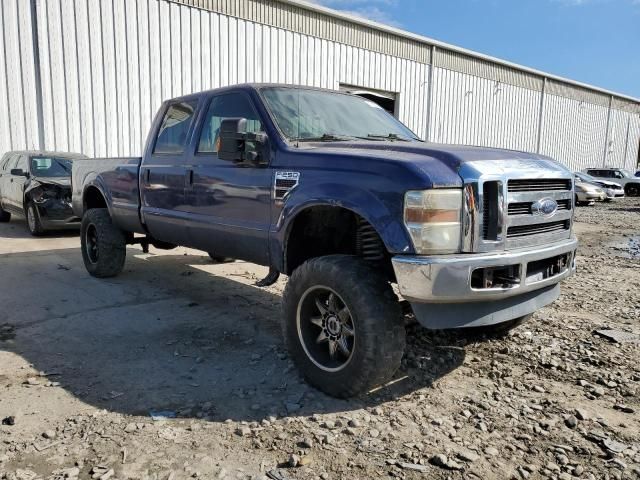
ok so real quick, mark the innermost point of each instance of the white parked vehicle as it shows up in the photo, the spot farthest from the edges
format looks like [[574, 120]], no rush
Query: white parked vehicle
[[611, 189]]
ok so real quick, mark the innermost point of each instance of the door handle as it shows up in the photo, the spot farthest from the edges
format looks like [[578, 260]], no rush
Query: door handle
[[147, 175]]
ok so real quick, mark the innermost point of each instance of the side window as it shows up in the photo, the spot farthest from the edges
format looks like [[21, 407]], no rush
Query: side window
[[617, 174], [172, 135], [230, 105], [22, 163]]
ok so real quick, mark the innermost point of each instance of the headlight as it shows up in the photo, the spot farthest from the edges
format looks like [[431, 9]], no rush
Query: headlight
[[432, 218]]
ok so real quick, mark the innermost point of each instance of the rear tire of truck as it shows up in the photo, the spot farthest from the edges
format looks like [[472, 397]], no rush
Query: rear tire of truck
[[104, 246], [343, 325], [33, 220]]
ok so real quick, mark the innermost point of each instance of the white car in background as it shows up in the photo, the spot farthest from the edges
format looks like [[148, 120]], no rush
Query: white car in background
[[611, 189], [588, 193]]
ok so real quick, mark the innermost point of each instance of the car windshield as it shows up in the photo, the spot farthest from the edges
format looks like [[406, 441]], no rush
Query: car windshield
[[50, 167], [626, 173], [585, 177], [315, 115]]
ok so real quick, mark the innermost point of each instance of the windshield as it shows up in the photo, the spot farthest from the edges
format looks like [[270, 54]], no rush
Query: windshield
[[626, 173], [585, 177], [318, 115], [50, 167]]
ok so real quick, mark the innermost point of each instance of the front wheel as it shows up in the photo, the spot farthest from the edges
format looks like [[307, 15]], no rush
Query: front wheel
[[4, 216], [343, 325], [33, 221], [104, 246]]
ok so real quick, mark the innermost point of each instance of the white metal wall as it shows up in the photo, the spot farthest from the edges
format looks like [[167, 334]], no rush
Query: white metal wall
[[574, 132], [624, 132], [472, 110], [106, 65], [18, 120]]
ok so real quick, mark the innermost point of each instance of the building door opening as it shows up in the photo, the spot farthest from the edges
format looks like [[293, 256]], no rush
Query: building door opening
[[387, 100]]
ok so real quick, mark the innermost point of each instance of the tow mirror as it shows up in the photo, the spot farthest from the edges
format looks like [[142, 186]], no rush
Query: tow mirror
[[236, 145], [18, 172]]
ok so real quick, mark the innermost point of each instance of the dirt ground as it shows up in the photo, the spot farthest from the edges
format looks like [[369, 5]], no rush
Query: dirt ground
[[91, 372]]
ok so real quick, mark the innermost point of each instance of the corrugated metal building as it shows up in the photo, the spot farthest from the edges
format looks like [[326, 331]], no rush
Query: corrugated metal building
[[88, 75]]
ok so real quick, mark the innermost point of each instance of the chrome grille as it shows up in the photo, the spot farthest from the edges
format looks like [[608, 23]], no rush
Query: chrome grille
[[524, 208], [539, 185], [537, 228], [499, 196]]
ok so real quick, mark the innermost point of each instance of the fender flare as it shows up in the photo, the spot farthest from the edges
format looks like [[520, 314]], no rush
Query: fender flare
[[95, 181], [387, 223]]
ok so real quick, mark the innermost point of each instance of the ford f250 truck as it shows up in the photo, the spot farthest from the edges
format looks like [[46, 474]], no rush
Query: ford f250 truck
[[334, 192]]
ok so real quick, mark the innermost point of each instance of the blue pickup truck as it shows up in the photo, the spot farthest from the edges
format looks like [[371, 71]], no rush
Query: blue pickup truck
[[334, 192]]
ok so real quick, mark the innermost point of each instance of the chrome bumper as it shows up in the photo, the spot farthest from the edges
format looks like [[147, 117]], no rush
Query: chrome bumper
[[447, 278]]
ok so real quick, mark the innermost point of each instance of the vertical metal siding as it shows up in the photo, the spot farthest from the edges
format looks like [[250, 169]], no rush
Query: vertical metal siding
[[18, 119], [471, 110], [574, 132]]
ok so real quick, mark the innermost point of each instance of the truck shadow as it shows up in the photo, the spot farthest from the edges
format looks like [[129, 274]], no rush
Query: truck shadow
[[178, 334], [17, 229]]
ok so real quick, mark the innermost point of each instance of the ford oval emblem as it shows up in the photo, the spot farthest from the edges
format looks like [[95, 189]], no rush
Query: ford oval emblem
[[544, 206]]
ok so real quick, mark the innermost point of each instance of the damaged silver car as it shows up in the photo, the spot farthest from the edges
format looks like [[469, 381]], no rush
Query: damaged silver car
[[36, 185]]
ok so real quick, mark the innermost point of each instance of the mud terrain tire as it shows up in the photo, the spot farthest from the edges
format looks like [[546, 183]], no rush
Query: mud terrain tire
[[375, 327], [104, 246]]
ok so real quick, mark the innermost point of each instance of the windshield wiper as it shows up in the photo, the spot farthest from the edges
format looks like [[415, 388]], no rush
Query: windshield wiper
[[325, 137], [391, 136]]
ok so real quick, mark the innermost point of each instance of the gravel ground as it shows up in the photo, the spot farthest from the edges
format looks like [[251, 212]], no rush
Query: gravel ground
[[550, 399]]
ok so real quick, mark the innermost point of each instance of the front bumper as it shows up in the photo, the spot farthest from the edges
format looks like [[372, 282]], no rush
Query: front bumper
[[56, 214], [444, 284]]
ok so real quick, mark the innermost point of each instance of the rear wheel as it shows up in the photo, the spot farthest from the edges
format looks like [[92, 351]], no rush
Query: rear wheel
[[632, 190], [33, 220], [343, 325], [104, 246]]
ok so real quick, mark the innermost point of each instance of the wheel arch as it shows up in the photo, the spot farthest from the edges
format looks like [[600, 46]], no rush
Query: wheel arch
[[344, 218]]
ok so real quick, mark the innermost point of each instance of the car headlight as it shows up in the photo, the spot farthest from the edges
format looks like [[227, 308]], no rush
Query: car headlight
[[433, 219]]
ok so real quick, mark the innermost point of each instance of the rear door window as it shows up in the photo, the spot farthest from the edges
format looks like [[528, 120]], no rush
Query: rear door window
[[172, 136]]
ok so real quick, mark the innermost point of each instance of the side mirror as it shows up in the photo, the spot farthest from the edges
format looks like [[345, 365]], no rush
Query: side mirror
[[236, 145], [19, 172]]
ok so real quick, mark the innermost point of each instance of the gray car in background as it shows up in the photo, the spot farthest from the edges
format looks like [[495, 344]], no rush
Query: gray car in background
[[624, 177]]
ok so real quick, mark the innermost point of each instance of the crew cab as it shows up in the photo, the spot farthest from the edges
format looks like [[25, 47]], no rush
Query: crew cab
[[331, 190], [36, 185]]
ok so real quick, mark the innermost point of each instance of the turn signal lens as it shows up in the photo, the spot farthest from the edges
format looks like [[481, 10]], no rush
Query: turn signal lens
[[432, 218]]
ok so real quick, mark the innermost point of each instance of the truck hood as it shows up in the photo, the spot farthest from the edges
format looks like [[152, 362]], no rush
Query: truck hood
[[441, 163], [59, 181]]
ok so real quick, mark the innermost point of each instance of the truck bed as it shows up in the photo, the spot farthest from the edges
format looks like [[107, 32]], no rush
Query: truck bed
[[117, 180]]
